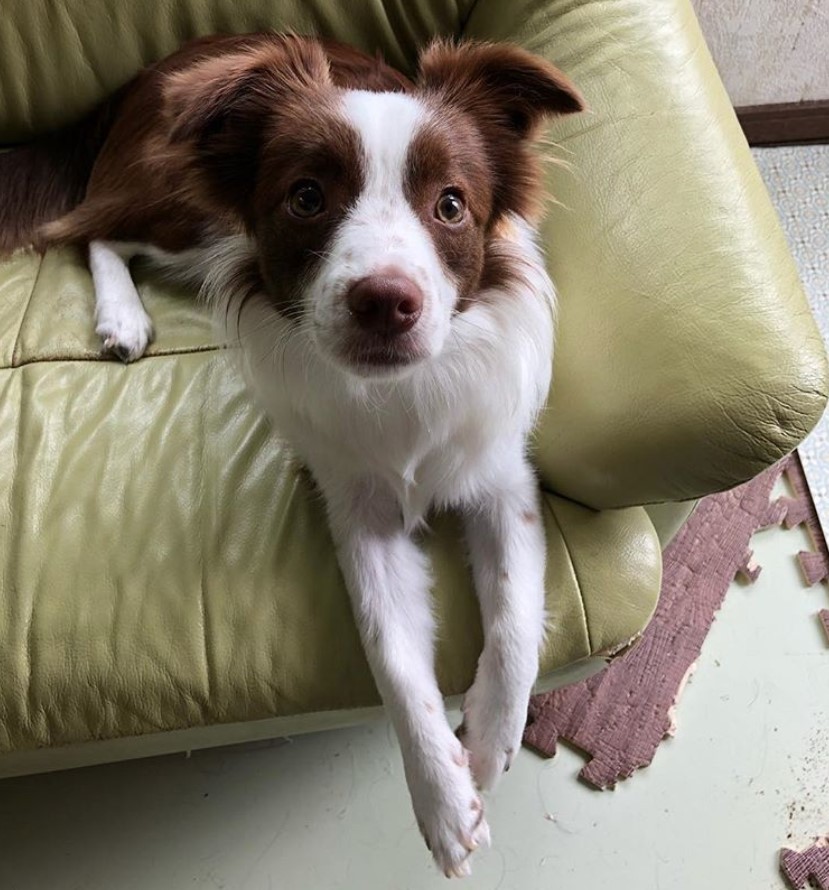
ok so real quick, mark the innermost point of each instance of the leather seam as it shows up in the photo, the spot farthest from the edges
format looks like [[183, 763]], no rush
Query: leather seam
[[72, 359], [12, 566], [576, 576], [203, 598]]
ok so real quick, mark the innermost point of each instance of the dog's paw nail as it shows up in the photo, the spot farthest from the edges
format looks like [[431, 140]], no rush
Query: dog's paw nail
[[114, 347], [477, 806], [461, 870], [125, 335], [482, 835], [470, 843], [479, 820], [461, 758]]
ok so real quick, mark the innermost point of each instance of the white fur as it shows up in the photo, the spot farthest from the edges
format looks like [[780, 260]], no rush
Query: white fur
[[450, 431], [382, 230], [120, 319]]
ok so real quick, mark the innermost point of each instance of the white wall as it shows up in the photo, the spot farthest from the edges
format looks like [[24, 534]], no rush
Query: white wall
[[769, 50]]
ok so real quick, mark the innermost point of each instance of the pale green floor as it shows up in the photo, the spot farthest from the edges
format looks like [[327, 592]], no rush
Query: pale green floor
[[330, 810]]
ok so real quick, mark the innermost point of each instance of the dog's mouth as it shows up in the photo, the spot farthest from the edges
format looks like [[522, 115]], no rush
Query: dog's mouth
[[368, 355], [382, 356]]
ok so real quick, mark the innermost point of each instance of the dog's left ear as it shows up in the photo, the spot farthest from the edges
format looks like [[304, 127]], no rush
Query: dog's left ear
[[508, 93], [500, 84]]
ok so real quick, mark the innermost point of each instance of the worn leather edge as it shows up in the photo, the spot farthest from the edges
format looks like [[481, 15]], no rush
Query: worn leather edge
[[44, 760]]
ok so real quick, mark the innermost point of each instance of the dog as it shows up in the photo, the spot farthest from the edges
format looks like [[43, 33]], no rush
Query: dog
[[369, 242]]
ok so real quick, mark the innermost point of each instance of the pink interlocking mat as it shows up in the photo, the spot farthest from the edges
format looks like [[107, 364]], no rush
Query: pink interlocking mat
[[809, 868], [620, 716]]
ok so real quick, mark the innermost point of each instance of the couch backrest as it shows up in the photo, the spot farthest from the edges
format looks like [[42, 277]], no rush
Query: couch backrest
[[58, 58]]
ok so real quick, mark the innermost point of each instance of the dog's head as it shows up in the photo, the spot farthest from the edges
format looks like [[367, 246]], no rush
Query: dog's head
[[373, 200]]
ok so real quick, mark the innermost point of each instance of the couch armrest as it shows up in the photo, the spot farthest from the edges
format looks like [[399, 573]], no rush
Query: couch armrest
[[687, 359]]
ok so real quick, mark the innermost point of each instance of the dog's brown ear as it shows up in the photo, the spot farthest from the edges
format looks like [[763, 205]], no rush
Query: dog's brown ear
[[211, 90], [508, 93], [500, 84], [221, 103]]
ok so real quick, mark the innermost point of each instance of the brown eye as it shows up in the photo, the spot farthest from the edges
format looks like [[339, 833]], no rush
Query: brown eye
[[450, 207], [306, 199]]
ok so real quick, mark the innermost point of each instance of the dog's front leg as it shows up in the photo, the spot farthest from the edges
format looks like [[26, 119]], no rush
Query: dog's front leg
[[388, 580], [505, 536], [121, 320]]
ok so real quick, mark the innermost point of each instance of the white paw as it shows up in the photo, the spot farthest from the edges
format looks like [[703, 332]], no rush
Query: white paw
[[449, 811], [126, 331], [494, 717]]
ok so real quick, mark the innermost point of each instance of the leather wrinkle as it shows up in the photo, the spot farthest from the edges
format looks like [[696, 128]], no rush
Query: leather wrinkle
[[27, 306], [575, 575]]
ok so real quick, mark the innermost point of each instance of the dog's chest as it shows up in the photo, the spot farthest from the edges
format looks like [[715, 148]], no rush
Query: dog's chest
[[446, 476], [426, 458]]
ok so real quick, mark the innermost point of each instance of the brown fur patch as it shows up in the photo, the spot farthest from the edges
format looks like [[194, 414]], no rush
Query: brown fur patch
[[507, 92], [499, 270], [222, 107], [445, 153], [314, 143], [46, 178], [243, 285], [354, 70], [182, 161], [488, 101]]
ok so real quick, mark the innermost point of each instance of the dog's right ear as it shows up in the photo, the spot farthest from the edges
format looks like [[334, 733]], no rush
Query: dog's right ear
[[501, 85], [509, 93], [220, 105]]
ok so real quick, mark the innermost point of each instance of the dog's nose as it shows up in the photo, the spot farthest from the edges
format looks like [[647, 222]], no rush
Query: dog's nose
[[385, 304]]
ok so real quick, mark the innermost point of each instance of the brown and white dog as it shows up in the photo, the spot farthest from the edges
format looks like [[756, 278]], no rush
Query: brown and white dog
[[369, 242]]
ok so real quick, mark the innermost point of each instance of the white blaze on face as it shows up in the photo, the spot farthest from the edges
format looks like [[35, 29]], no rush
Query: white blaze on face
[[381, 230]]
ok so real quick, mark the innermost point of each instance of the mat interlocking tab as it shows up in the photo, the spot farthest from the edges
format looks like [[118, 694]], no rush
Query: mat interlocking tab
[[621, 715], [801, 510], [811, 867]]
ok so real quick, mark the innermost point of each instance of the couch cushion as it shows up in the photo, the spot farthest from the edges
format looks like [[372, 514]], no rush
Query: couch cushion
[[164, 558]]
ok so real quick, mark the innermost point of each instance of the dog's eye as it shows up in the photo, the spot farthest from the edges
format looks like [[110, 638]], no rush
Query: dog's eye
[[306, 199], [450, 208]]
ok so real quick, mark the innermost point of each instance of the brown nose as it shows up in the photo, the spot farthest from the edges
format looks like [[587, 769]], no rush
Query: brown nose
[[385, 304]]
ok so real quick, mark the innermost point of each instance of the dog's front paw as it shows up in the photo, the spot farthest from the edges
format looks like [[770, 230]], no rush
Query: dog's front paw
[[493, 724], [449, 811], [125, 333]]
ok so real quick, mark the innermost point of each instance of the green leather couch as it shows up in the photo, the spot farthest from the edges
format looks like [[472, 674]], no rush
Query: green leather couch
[[166, 577]]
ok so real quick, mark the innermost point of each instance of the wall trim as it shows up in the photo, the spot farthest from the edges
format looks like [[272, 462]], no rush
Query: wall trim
[[785, 123]]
